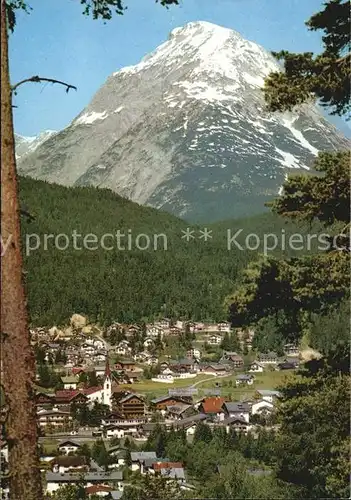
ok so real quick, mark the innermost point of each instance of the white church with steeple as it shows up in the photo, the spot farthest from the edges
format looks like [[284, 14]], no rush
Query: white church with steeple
[[102, 394], [107, 387]]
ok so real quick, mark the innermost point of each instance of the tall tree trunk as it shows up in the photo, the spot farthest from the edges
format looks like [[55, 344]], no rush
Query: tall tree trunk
[[17, 359]]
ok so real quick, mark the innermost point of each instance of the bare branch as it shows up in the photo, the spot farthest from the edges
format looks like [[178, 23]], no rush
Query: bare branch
[[39, 79]]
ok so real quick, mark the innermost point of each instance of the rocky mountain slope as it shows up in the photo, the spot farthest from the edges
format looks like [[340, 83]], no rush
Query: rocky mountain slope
[[26, 145], [186, 130]]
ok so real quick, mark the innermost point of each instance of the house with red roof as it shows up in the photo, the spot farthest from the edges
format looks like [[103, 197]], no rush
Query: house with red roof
[[212, 405]]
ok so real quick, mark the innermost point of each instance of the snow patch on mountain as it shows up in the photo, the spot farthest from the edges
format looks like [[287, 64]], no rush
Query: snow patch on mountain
[[288, 123], [89, 118]]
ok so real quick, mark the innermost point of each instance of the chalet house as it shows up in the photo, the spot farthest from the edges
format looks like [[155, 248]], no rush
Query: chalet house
[[112, 431], [98, 369], [268, 395], [173, 330], [69, 382], [118, 454], [43, 400], [98, 357], [291, 350], [112, 418], [131, 330], [180, 325], [244, 379], [235, 409], [189, 424], [199, 327], [233, 358], [129, 405], [237, 423], [224, 326], [87, 349], [184, 365], [214, 339], [64, 463], [256, 367], [163, 402], [178, 412], [139, 458], [262, 407], [98, 344], [126, 365], [210, 327], [68, 446], [213, 368], [130, 377], [270, 358], [53, 418], [193, 353], [164, 323], [212, 406], [54, 480], [154, 331]]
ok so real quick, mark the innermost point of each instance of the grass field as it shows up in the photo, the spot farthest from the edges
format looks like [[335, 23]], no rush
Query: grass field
[[265, 380], [159, 388]]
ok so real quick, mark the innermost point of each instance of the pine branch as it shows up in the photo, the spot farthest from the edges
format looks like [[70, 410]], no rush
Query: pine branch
[[39, 79]]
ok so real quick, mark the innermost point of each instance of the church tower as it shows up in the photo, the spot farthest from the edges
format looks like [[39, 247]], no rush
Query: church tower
[[107, 395]]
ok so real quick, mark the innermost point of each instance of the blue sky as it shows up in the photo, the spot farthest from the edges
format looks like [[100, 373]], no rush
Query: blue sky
[[57, 41]]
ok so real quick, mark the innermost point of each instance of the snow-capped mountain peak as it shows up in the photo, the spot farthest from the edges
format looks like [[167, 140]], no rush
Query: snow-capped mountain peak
[[187, 130]]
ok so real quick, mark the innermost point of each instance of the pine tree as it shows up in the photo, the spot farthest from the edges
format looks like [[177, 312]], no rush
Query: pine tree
[[325, 76]]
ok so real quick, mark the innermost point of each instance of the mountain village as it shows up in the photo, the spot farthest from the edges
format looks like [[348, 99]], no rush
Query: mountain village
[[127, 389]]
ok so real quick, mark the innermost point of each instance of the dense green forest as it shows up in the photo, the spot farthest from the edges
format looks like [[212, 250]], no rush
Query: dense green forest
[[187, 280]]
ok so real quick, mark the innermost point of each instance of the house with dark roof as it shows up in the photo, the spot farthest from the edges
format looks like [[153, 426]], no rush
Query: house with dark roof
[[66, 463], [140, 457], [236, 423], [213, 368], [244, 379], [190, 423], [162, 402], [269, 358], [233, 359], [256, 367], [129, 405], [54, 480], [178, 412], [68, 446], [291, 350], [286, 365], [235, 409], [268, 395], [185, 365]]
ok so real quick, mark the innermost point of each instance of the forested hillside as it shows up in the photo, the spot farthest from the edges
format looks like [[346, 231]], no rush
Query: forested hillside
[[188, 279]]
